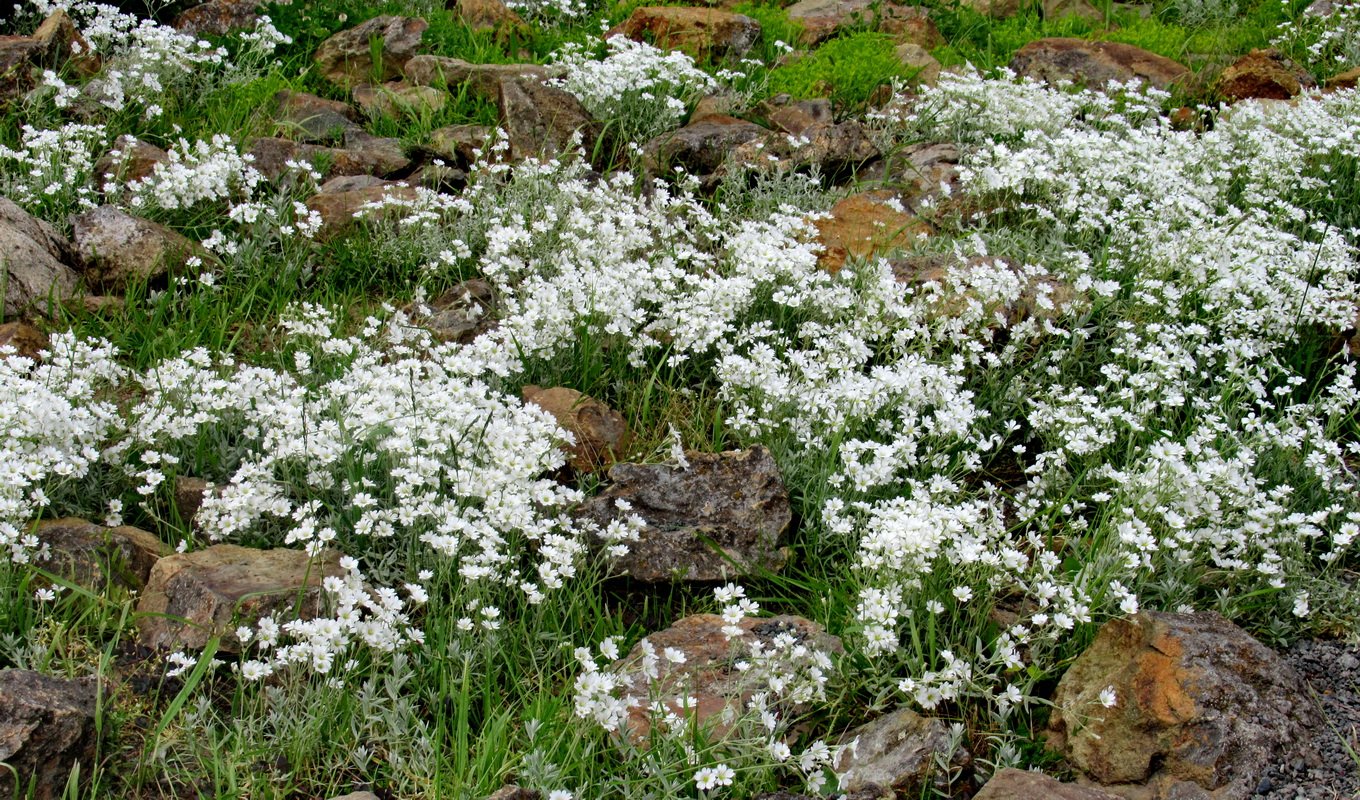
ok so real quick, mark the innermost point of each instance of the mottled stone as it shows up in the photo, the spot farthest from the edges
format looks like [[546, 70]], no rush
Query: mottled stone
[[542, 120], [34, 256], [601, 433], [489, 16], [703, 33], [191, 597], [27, 340], [919, 59], [96, 557], [823, 19], [482, 79], [307, 118], [459, 143], [218, 17], [131, 159], [1017, 784], [364, 155], [338, 207], [346, 59], [399, 100], [118, 249], [899, 749], [733, 501], [866, 225], [1095, 63], [700, 147], [47, 726], [1262, 75]]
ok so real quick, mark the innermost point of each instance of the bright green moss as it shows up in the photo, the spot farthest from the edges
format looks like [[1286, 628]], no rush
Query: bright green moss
[[847, 69]]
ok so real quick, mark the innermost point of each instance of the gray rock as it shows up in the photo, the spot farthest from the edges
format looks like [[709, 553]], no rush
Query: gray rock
[[700, 147], [707, 673], [462, 313], [899, 750], [189, 494], [34, 257], [191, 597], [734, 500], [46, 727], [512, 792], [357, 796], [346, 59], [835, 150], [1017, 784], [118, 248], [1201, 707], [95, 556], [305, 117], [796, 118]]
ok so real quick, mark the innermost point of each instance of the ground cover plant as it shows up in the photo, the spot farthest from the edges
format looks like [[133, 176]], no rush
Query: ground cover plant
[[1099, 360]]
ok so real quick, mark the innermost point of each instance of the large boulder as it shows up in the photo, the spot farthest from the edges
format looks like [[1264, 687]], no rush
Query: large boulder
[[1200, 708], [1018, 784], [1094, 64], [362, 154], [1262, 75], [346, 59], [705, 672], [118, 249], [900, 749], [305, 117], [703, 33], [542, 120], [35, 258], [601, 433], [47, 726], [399, 100], [218, 17], [459, 143], [341, 199], [720, 517], [836, 150], [96, 557], [192, 597]]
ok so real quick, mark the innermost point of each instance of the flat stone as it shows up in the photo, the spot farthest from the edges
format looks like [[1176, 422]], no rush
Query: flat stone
[[35, 257], [918, 58], [191, 597], [189, 495], [601, 433], [708, 674], [381, 157], [47, 726], [797, 118], [489, 16], [399, 100], [1095, 63], [357, 796], [866, 225], [459, 143], [218, 17], [1201, 707], [96, 557], [822, 19], [899, 749], [736, 500], [1344, 80], [837, 151], [482, 79], [346, 59], [703, 33], [463, 313], [1018, 784], [27, 340], [118, 249], [512, 792]]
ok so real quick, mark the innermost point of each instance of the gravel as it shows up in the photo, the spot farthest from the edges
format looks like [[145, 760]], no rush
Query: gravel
[[1332, 671]]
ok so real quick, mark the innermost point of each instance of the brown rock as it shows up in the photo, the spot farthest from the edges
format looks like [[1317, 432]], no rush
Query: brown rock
[[189, 494], [460, 143], [1095, 64], [700, 147], [600, 431], [97, 557], [486, 16], [18, 55], [863, 226], [1018, 784], [482, 79], [1344, 80], [703, 33], [307, 118], [33, 255], [707, 673], [191, 597], [463, 313], [542, 120], [131, 159], [823, 19], [399, 100], [346, 59], [118, 248], [366, 155], [47, 726], [1057, 9], [714, 105], [1263, 75], [338, 207], [996, 9], [357, 796], [27, 341], [218, 17], [1199, 702], [54, 43], [734, 501], [512, 792], [835, 150], [919, 59], [797, 118], [899, 749]]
